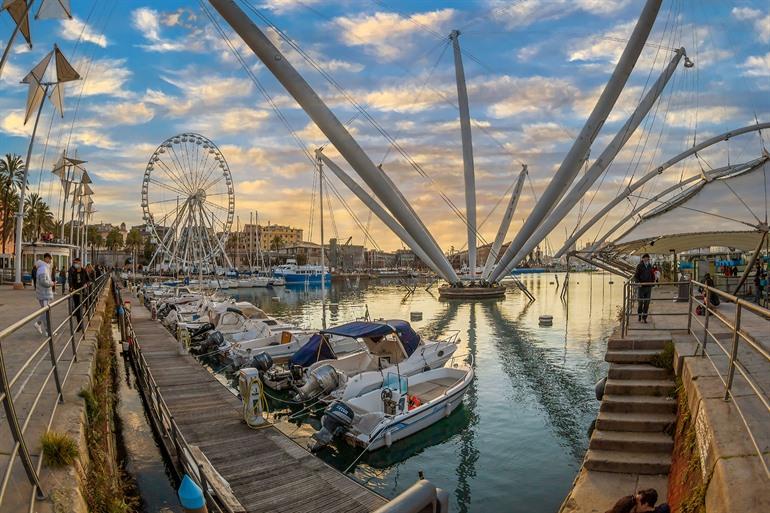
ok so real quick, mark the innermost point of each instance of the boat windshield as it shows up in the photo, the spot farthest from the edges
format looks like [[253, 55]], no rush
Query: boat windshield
[[395, 382]]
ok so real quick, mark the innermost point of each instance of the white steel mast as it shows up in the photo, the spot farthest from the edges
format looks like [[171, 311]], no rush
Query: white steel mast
[[574, 159], [333, 129], [468, 171]]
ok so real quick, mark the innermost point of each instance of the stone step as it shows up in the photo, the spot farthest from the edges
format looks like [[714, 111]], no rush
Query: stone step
[[615, 343], [631, 355], [626, 462], [636, 371], [631, 442], [638, 404], [658, 387], [635, 422]]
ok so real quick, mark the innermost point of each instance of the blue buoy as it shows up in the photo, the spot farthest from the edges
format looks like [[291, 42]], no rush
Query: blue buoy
[[191, 495]]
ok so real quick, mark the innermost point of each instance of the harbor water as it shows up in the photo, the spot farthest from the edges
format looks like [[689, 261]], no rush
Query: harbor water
[[517, 442]]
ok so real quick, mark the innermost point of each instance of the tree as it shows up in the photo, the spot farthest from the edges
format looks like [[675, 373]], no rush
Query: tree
[[95, 240], [11, 178], [38, 217], [114, 242], [134, 242], [276, 243]]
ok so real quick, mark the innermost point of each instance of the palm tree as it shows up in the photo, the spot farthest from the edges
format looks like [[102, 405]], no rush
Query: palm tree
[[11, 178], [114, 242], [38, 217], [134, 242], [276, 243]]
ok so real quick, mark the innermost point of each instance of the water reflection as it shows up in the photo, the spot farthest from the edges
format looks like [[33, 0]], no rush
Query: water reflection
[[555, 387], [517, 441]]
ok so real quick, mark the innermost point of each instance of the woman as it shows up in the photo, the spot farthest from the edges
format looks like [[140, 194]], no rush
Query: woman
[[713, 296], [624, 505]]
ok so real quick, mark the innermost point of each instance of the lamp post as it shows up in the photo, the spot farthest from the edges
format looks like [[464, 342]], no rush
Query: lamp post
[[38, 90]]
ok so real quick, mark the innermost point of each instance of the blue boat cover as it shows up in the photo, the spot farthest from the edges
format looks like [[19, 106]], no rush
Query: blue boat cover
[[314, 350], [357, 329]]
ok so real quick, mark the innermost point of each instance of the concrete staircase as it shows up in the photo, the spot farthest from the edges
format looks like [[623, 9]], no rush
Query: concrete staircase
[[636, 412]]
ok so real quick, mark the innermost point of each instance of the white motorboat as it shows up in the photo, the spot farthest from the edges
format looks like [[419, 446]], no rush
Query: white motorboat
[[391, 345], [402, 407]]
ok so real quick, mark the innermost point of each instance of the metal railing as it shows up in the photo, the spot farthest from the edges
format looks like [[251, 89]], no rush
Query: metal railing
[[737, 337], [178, 449], [631, 299], [65, 336]]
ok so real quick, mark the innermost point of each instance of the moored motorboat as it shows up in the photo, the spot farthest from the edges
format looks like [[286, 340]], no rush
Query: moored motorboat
[[402, 407]]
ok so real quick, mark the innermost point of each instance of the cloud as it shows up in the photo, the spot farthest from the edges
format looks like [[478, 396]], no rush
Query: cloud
[[757, 66], [283, 6], [148, 22], [124, 113], [520, 14], [231, 121], [390, 36], [759, 20], [75, 29], [529, 95], [101, 77]]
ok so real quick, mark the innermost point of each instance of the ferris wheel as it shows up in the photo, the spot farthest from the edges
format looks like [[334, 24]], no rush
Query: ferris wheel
[[188, 201]]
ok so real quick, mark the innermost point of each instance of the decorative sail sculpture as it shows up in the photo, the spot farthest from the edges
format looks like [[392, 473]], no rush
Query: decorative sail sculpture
[[19, 12], [39, 84]]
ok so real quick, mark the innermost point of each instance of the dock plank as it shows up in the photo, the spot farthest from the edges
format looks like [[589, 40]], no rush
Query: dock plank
[[266, 470]]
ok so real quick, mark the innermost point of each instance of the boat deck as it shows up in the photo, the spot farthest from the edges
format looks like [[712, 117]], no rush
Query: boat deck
[[267, 471]]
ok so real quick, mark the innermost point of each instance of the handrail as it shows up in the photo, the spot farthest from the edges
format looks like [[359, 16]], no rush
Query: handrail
[[55, 337], [738, 335], [164, 420], [629, 297]]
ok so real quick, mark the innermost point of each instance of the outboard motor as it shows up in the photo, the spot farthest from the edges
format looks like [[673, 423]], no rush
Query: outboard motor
[[200, 332], [322, 380], [262, 361], [337, 418], [213, 340]]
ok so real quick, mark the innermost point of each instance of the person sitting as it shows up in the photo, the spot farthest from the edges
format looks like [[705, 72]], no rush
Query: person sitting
[[624, 505]]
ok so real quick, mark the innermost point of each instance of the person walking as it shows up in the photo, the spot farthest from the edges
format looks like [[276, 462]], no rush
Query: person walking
[[645, 277], [43, 289], [63, 280], [77, 279]]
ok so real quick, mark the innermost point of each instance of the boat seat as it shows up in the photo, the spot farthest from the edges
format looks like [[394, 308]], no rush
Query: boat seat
[[429, 390]]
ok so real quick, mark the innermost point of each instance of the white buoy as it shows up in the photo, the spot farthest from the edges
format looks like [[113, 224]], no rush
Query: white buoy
[[276, 299], [546, 320], [388, 438], [415, 316]]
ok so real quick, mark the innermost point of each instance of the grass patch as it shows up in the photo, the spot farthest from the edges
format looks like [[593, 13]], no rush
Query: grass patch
[[59, 449], [665, 359], [106, 490]]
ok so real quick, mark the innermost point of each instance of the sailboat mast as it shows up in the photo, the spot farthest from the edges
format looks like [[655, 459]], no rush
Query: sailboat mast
[[323, 266], [468, 171]]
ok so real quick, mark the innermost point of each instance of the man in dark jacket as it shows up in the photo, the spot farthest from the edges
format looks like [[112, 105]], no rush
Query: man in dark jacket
[[644, 275], [77, 278]]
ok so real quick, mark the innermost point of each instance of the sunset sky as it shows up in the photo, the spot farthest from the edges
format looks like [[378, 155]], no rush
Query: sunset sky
[[534, 70]]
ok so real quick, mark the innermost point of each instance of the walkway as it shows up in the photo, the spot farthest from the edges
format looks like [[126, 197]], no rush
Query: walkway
[[266, 471], [30, 386]]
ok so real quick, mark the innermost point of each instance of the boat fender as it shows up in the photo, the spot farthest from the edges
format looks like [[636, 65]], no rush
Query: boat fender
[[388, 438], [599, 388], [447, 409]]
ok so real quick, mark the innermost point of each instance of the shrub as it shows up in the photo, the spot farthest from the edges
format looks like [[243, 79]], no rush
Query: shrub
[[59, 449], [665, 359]]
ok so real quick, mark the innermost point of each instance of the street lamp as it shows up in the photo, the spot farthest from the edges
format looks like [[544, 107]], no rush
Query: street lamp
[[39, 87]]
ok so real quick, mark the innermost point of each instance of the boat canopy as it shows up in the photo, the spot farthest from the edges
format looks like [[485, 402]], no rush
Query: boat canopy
[[314, 350], [376, 330]]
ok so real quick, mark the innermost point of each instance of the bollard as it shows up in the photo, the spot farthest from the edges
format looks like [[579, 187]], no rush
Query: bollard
[[154, 310], [191, 496]]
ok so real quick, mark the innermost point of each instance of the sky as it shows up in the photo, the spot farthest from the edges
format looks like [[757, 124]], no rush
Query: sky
[[534, 70]]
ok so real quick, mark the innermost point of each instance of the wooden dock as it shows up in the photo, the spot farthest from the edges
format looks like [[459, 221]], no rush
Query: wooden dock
[[266, 470]]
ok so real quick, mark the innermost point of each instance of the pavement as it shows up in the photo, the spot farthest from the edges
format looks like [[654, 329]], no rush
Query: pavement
[[34, 390]]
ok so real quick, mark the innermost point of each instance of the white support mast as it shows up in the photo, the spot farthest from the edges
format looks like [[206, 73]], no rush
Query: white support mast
[[468, 171], [376, 209], [605, 159], [494, 251], [332, 128], [652, 174], [578, 153], [323, 260]]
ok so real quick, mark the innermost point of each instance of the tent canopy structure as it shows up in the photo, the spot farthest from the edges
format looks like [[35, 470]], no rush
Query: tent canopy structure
[[681, 242]]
